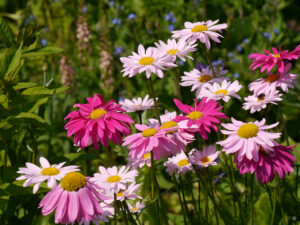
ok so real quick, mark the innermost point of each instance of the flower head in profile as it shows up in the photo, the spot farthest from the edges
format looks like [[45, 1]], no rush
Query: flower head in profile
[[222, 91], [75, 199], [113, 179], [178, 163], [202, 117], [130, 192], [179, 49], [50, 173], [283, 80], [98, 121], [140, 162], [278, 161], [245, 139], [150, 61], [199, 79], [203, 31], [255, 103], [138, 104], [206, 157], [137, 207], [269, 60]]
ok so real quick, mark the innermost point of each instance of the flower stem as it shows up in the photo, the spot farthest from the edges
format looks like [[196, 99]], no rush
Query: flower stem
[[116, 207], [176, 80], [208, 60], [139, 113], [206, 197], [154, 99], [108, 153], [180, 200], [152, 170], [252, 203], [129, 213], [274, 207]]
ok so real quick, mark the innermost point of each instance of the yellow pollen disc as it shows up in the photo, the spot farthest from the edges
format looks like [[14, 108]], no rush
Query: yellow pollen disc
[[248, 130], [147, 155], [113, 179], [134, 209], [95, 114], [146, 61], [195, 115], [183, 162], [172, 51], [273, 77], [199, 28], [276, 56], [149, 132], [260, 99], [205, 160], [204, 78], [73, 181], [120, 194], [50, 171], [221, 91]]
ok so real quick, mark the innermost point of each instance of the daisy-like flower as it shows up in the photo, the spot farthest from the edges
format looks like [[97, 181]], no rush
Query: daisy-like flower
[[150, 60], [268, 61], [75, 199], [140, 162], [108, 211], [199, 79], [128, 193], [138, 104], [247, 138], [179, 49], [98, 121], [178, 163], [201, 118], [50, 173], [137, 208], [202, 31], [111, 178], [279, 160], [255, 103], [150, 139], [223, 91], [272, 81], [178, 134], [206, 157]]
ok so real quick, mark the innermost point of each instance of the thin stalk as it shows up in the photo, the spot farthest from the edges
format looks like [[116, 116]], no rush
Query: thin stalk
[[161, 202], [154, 99], [124, 213], [184, 200], [140, 113], [209, 60], [129, 213], [108, 153], [270, 196], [212, 188], [152, 171], [274, 207], [195, 204], [252, 202], [206, 197], [180, 200], [285, 219], [116, 207], [177, 80]]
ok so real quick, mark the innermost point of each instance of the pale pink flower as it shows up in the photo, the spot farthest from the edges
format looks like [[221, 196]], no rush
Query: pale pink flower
[[137, 207], [178, 163], [140, 162], [206, 157], [138, 104]]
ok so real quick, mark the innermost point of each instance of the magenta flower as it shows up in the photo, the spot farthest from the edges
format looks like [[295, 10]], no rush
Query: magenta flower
[[201, 118], [150, 139], [75, 199], [279, 161], [98, 121], [268, 61]]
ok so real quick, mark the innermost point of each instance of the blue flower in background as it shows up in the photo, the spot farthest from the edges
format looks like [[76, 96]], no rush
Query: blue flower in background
[[219, 61], [196, 2], [181, 63], [235, 61], [267, 35], [167, 17], [239, 48], [43, 42], [118, 51], [200, 66], [171, 27], [149, 31], [276, 31], [236, 75], [121, 99], [131, 16], [214, 63], [84, 9], [230, 54], [173, 19], [116, 21], [246, 41], [111, 3]]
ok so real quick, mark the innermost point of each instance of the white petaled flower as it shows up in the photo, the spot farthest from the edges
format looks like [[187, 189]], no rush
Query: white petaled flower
[[222, 91], [111, 178], [138, 104], [178, 163], [139, 163], [256, 102], [179, 49], [199, 79], [202, 31], [137, 208], [50, 173], [150, 61], [272, 81], [206, 157], [128, 193]]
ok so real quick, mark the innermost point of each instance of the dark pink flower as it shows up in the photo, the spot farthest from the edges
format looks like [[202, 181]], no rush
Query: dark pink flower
[[98, 121]]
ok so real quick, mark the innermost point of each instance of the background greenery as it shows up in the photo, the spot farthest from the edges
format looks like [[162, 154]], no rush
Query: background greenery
[[37, 91]]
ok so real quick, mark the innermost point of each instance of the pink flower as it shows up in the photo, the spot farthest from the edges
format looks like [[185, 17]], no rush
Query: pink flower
[[278, 58], [98, 121], [150, 139], [178, 163], [206, 157], [202, 117], [279, 161], [75, 199]]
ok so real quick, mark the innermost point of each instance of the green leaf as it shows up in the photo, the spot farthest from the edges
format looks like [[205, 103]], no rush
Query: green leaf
[[4, 101], [40, 90], [23, 85], [42, 51], [30, 116], [6, 34]]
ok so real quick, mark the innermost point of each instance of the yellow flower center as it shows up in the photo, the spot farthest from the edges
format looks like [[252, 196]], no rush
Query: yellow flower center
[[146, 61], [73, 181], [276, 56], [169, 124], [147, 155], [172, 51], [183, 162], [120, 194], [95, 114], [248, 130], [134, 209], [221, 91], [273, 77], [149, 132], [113, 179], [204, 78], [199, 28], [261, 97], [205, 160], [195, 115], [50, 171]]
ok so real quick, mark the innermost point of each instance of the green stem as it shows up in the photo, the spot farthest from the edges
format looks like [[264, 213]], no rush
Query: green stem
[[108, 153], [184, 200], [124, 213], [274, 207], [180, 200], [252, 202], [139, 113], [206, 197], [209, 60], [212, 188], [154, 99], [152, 170], [177, 80], [116, 207], [129, 213]]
